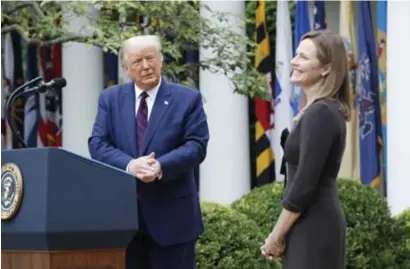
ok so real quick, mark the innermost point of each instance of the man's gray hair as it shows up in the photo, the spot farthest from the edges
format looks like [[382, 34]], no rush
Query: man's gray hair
[[139, 42]]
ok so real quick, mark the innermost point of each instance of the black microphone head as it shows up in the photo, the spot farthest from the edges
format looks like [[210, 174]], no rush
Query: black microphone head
[[42, 89], [60, 82]]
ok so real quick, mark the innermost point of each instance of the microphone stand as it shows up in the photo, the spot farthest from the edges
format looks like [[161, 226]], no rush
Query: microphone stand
[[19, 92]]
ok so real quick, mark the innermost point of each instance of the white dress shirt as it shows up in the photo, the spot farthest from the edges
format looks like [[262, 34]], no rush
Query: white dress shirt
[[152, 94]]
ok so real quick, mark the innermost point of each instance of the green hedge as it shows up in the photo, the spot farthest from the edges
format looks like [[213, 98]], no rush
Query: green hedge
[[374, 237], [230, 241], [404, 220], [262, 204]]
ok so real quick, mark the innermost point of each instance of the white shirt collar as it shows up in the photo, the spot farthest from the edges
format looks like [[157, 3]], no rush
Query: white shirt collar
[[151, 93]]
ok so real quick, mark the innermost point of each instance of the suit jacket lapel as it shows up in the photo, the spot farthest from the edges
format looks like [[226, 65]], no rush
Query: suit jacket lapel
[[128, 114], [162, 102]]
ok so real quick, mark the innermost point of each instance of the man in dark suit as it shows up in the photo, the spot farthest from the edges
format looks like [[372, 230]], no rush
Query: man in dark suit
[[157, 131]]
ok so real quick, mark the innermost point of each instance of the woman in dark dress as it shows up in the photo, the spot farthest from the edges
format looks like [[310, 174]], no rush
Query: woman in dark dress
[[311, 230]]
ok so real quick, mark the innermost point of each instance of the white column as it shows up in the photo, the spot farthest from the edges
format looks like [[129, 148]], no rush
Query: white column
[[225, 173], [83, 70], [398, 109]]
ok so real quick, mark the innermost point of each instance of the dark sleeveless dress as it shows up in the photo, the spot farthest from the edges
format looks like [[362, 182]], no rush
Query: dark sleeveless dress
[[313, 152]]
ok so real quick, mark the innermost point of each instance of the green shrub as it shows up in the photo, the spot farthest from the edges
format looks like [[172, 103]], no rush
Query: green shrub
[[230, 241], [263, 205], [404, 219], [404, 222], [373, 236]]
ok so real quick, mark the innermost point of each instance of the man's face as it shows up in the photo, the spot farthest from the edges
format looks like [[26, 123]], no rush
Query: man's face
[[144, 67]]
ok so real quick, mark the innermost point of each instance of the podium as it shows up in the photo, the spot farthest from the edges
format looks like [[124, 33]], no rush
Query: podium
[[63, 211]]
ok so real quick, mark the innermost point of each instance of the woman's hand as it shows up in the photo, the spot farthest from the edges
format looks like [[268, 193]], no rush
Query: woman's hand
[[274, 246]]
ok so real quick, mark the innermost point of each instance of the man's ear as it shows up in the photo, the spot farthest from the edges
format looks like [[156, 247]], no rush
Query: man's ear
[[325, 70]]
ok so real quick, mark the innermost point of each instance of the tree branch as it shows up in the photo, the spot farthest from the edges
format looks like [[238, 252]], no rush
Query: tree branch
[[32, 4], [62, 39]]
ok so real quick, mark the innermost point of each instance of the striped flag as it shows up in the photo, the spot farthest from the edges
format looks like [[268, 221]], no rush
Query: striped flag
[[265, 167], [6, 136], [283, 87], [350, 166], [50, 104], [31, 106], [368, 100], [381, 54], [302, 26], [18, 80], [7, 78]]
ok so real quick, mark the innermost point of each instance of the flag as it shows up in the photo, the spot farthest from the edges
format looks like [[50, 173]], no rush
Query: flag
[[320, 15], [192, 58], [18, 80], [6, 135], [7, 78], [283, 87], [31, 105], [381, 54], [302, 26], [368, 100], [349, 166], [50, 104], [265, 167], [112, 68]]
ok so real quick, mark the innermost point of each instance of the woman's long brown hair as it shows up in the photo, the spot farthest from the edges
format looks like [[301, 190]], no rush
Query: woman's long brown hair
[[336, 84]]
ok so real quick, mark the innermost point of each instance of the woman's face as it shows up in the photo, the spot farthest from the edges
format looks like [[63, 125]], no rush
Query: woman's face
[[307, 70]]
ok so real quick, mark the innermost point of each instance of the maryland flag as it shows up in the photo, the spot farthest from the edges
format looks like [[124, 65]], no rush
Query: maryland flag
[[265, 168]]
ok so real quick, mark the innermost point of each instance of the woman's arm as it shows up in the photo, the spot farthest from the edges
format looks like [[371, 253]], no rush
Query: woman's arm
[[275, 243], [285, 222]]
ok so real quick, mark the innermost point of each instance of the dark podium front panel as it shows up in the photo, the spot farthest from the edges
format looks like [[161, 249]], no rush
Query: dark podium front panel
[[69, 203]]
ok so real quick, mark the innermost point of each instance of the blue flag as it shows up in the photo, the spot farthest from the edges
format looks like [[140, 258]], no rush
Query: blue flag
[[192, 58], [320, 15], [302, 26], [112, 68], [18, 80], [368, 99]]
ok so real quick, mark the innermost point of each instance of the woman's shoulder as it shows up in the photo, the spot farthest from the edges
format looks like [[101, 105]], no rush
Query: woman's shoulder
[[324, 110], [324, 106]]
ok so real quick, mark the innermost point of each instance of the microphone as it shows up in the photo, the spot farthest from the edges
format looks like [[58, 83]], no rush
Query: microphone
[[54, 83], [24, 91]]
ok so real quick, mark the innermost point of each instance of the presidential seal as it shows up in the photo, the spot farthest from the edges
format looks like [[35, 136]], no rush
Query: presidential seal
[[11, 190]]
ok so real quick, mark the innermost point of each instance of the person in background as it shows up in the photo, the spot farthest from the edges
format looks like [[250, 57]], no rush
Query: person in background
[[311, 230], [158, 132]]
